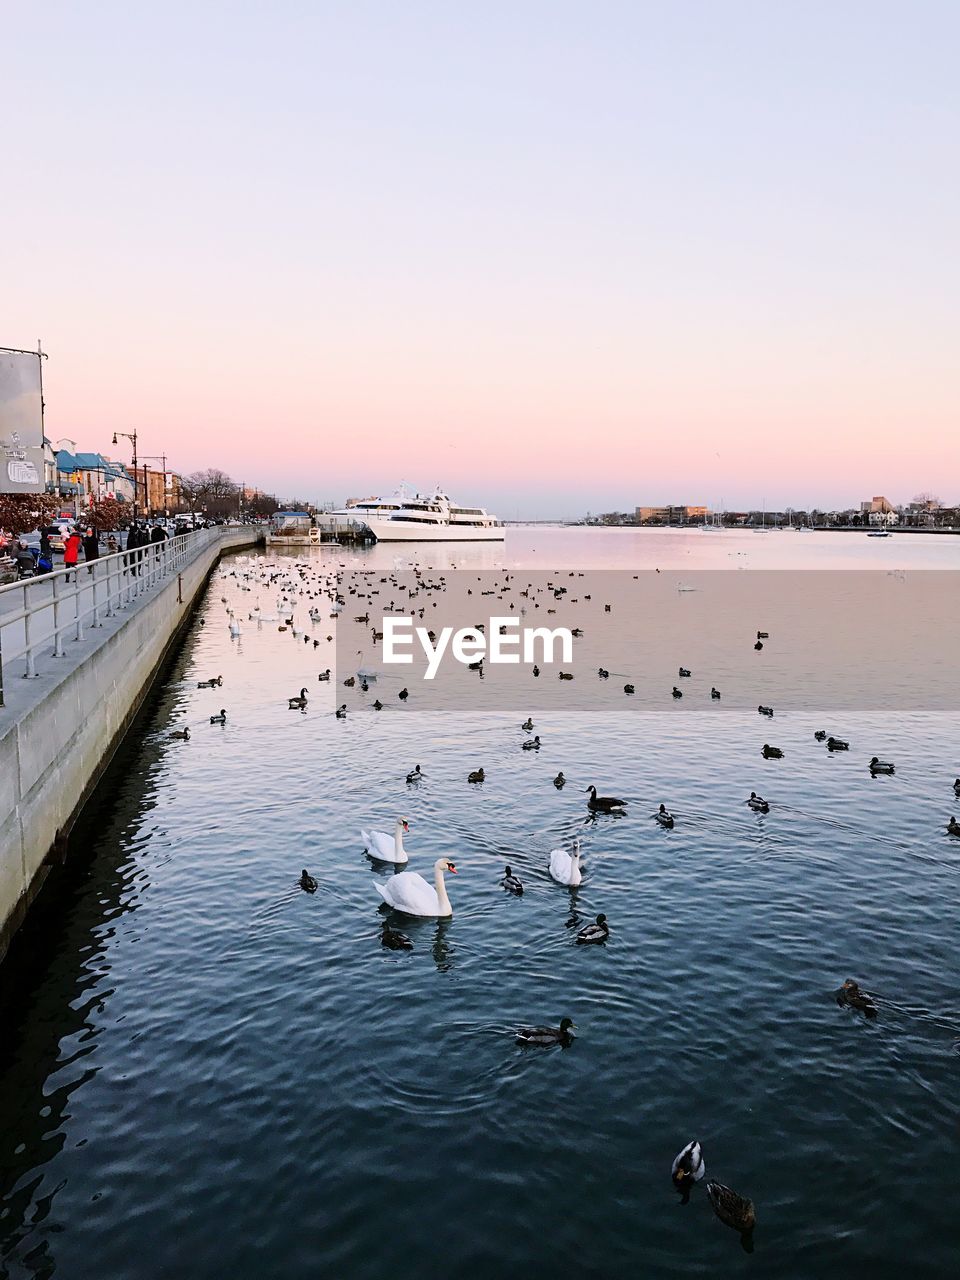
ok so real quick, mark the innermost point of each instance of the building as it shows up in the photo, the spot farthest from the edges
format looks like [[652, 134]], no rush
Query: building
[[670, 515], [159, 491], [879, 511], [91, 476]]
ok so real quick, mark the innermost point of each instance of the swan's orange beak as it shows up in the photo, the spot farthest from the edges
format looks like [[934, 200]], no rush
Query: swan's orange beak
[[406, 825], [451, 867]]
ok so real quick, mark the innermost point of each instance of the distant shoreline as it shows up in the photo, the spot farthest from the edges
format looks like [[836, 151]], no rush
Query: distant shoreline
[[732, 528]]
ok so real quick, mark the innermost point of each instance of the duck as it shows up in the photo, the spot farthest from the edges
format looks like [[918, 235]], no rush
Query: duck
[[377, 705], [837, 744], [882, 766], [603, 673], [298, 703], [560, 781], [764, 711], [404, 694], [763, 635], [341, 712], [821, 735], [956, 787], [688, 1166], [715, 694], [182, 734], [603, 804], [664, 817], [546, 1036], [220, 719], [758, 645], [410, 894], [676, 692], [349, 682], [394, 939], [212, 683], [564, 675], [527, 725], [757, 803], [598, 932], [414, 775], [684, 672], [324, 675], [565, 865], [851, 996], [511, 882], [733, 1210], [953, 827], [533, 744], [308, 882], [628, 689], [771, 753], [387, 848], [536, 670], [477, 776]]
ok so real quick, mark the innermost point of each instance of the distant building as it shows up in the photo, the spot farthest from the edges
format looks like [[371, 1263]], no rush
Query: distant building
[[670, 515], [879, 511], [159, 491], [91, 476]]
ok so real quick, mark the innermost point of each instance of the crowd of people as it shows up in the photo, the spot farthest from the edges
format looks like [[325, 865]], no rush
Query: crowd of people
[[27, 559]]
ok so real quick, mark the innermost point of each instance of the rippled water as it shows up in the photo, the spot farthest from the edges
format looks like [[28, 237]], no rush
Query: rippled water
[[205, 1071]]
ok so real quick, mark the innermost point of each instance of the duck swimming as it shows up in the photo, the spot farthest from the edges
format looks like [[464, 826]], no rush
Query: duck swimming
[[324, 675], [684, 672], [307, 882], [378, 705], [533, 744], [676, 692], [688, 1166], [837, 744], [758, 645], [603, 673], [733, 1210], [956, 787], [821, 735], [298, 703], [715, 694], [765, 711], [628, 689], [341, 712], [771, 753], [182, 734], [414, 775], [477, 776], [220, 719], [527, 725], [603, 804], [757, 803], [394, 939], [953, 827], [663, 817], [850, 996], [560, 781], [545, 1036], [881, 766], [404, 694], [511, 882], [536, 670], [598, 932]]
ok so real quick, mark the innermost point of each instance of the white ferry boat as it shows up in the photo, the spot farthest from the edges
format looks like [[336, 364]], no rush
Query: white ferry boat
[[433, 518]]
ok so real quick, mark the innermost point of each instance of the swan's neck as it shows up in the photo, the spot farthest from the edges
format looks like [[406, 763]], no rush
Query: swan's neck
[[398, 837], [444, 901]]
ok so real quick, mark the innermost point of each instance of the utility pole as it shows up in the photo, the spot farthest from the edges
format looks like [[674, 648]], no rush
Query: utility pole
[[131, 436]]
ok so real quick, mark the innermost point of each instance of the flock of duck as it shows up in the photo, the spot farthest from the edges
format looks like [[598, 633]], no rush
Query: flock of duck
[[407, 893]]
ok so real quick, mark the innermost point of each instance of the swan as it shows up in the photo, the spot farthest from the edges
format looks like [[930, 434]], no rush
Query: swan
[[688, 1166], [307, 882], [365, 673], [757, 803], [733, 1210], [598, 932], [410, 894], [565, 865], [881, 766], [387, 848], [562, 1035], [663, 817], [234, 625], [511, 882]]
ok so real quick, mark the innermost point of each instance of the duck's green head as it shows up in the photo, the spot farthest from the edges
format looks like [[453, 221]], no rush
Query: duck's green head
[[567, 1024]]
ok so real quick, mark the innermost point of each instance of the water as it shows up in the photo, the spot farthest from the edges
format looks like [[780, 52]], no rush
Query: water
[[205, 1071]]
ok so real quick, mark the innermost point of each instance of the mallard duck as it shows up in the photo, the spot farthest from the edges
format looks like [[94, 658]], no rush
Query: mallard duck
[[527, 725], [956, 787], [733, 1210], [298, 703], [536, 670], [220, 719], [953, 827], [663, 817], [324, 675], [882, 766], [404, 694], [414, 775], [821, 735], [851, 996], [182, 734], [394, 939], [377, 705], [562, 1035], [560, 781], [684, 672], [533, 744], [512, 882], [598, 932], [350, 682], [758, 645], [564, 675], [341, 712], [307, 882], [837, 744], [603, 673], [715, 694], [629, 688], [771, 753], [603, 804], [676, 692], [765, 711], [212, 683], [757, 803], [688, 1166], [477, 776]]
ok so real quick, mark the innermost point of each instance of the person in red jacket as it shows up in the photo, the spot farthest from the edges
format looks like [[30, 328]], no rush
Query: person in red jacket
[[71, 550]]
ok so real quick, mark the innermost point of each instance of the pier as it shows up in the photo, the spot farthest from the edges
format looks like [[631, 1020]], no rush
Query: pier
[[79, 652]]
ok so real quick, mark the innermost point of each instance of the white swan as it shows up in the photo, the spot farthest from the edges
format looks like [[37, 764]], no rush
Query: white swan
[[410, 893], [387, 848], [565, 865], [363, 672], [234, 625]]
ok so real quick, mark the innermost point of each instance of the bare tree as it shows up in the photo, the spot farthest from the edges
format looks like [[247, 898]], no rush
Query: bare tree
[[211, 491], [928, 499]]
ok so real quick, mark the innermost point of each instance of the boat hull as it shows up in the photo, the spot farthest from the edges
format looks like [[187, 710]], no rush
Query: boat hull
[[412, 531]]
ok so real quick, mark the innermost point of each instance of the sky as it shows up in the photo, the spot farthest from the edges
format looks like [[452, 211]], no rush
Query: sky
[[556, 257]]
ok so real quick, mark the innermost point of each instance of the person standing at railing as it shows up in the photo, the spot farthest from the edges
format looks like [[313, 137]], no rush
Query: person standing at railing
[[112, 546], [135, 540], [71, 551], [158, 535], [91, 546]]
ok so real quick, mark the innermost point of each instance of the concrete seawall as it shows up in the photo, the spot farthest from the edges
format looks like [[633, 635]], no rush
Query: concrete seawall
[[58, 738]]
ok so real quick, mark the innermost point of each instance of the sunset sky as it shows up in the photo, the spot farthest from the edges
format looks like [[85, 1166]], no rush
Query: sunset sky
[[556, 256]]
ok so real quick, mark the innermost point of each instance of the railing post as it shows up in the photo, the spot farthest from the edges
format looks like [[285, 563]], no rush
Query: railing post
[[96, 607], [31, 670], [76, 606], [57, 639], [108, 612]]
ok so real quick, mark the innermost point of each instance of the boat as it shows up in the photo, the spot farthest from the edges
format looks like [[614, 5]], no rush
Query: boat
[[292, 529], [879, 533], [423, 518]]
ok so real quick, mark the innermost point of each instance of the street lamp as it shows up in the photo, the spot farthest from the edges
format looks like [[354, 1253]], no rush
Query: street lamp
[[132, 436]]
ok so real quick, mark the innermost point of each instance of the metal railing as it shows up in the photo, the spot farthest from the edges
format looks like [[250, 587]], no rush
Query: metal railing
[[60, 606]]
